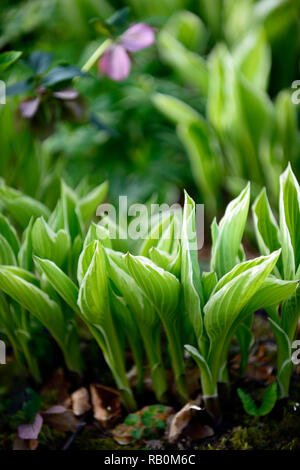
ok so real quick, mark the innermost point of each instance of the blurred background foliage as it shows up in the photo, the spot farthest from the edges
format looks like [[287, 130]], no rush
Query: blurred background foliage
[[229, 64]]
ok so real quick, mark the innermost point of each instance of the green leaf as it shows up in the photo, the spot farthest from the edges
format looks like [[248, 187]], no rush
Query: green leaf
[[40, 61], [208, 385], [161, 233], [160, 287], [284, 354], [145, 316], [48, 244], [253, 57], [134, 296], [188, 29], [266, 228], [60, 281], [190, 271], [228, 236], [208, 282], [93, 293], [7, 255], [71, 214], [97, 232], [272, 292], [61, 73], [9, 232], [132, 420], [94, 303], [88, 204], [130, 327], [174, 109], [162, 290], [20, 87], [8, 58], [85, 260], [232, 294], [204, 153], [24, 274], [267, 404], [289, 212], [190, 66], [35, 300], [21, 207], [25, 253]]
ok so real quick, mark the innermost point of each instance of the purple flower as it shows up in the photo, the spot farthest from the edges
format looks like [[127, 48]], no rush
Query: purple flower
[[115, 62], [29, 107], [31, 431]]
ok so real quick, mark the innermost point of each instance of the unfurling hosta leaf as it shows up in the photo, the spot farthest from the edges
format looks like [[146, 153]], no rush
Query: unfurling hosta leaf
[[48, 244], [60, 281], [190, 271], [253, 57], [190, 66], [161, 233], [162, 290], [97, 232], [7, 255], [8, 231], [204, 153], [176, 110], [272, 292], [188, 29], [208, 282], [88, 204], [233, 292], [12, 323], [267, 404], [266, 228], [130, 327], [71, 213], [227, 235], [85, 260], [145, 316], [160, 287], [222, 312], [93, 294], [289, 211], [16, 284], [94, 303], [21, 207]]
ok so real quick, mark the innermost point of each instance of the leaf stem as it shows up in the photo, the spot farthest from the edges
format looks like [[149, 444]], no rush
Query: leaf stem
[[96, 55]]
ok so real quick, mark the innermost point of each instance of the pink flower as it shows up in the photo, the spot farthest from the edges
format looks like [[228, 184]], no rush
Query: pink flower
[[115, 62]]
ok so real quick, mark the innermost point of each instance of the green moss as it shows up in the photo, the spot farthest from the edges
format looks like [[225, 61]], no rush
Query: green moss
[[91, 439], [6, 441], [266, 433]]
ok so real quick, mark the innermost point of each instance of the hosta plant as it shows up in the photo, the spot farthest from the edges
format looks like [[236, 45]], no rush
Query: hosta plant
[[241, 134], [116, 306], [220, 301], [26, 294], [285, 235]]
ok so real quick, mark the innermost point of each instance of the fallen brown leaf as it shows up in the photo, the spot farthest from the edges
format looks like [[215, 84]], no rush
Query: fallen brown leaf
[[80, 401], [106, 404], [25, 444], [122, 434], [182, 418], [61, 419]]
